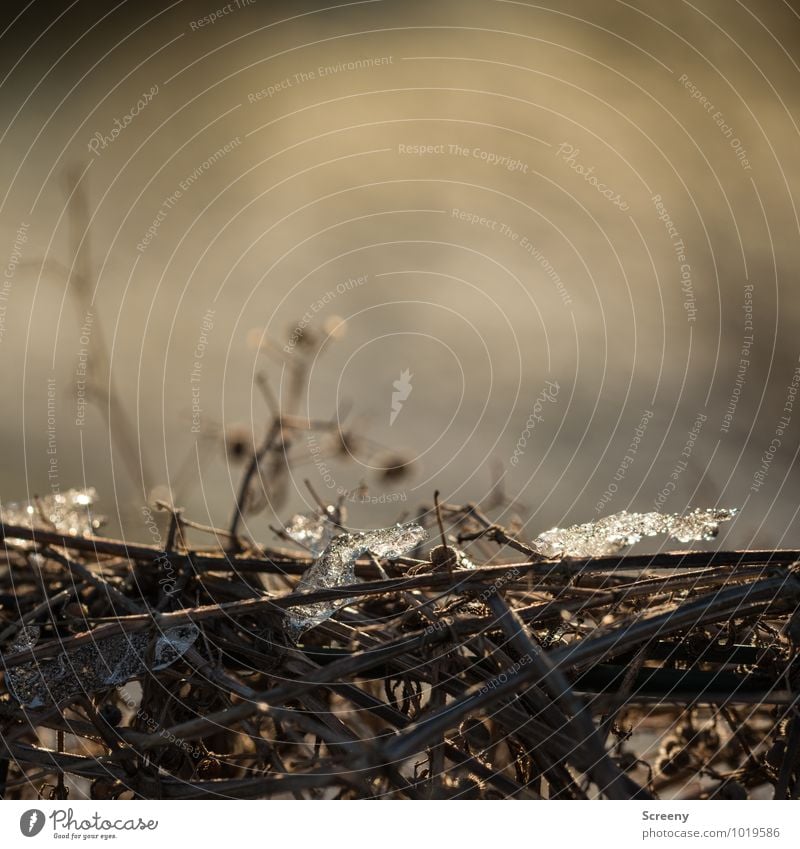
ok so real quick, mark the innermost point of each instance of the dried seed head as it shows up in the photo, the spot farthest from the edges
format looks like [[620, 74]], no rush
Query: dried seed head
[[792, 629], [627, 761], [335, 327], [304, 337], [254, 338], [238, 443], [443, 559], [161, 492], [348, 443], [395, 467], [209, 768], [675, 758], [466, 787], [476, 733], [730, 790], [78, 617], [106, 788], [111, 714], [670, 745], [172, 759], [75, 610], [709, 738], [775, 754], [666, 767], [682, 759]]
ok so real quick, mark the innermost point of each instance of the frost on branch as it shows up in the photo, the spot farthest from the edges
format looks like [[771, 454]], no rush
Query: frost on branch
[[108, 662], [336, 568], [66, 512], [612, 534]]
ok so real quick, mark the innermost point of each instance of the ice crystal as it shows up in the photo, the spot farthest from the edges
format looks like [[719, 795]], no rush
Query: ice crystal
[[66, 512], [612, 534], [462, 560], [335, 567], [108, 662], [314, 532]]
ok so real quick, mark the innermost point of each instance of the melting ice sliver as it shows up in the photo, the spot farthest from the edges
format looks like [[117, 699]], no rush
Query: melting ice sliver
[[66, 512], [612, 534], [107, 662], [335, 567], [314, 532]]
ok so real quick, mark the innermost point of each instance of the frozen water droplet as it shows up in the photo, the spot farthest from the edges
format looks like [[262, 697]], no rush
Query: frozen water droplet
[[66, 512]]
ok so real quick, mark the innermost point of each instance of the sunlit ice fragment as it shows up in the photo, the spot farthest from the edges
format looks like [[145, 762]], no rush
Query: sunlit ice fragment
[[612, 534], [313, 531], [336, 567], [463, 561], [67, 513], [108, 662]]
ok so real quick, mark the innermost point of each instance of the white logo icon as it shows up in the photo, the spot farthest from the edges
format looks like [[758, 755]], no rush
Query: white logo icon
[[400, 395], [31, 822]]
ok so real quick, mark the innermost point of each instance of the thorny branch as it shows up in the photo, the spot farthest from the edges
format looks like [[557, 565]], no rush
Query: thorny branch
[[505, 672]]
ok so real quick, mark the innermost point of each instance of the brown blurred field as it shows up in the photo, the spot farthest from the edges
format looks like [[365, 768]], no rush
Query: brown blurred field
[[323, 111]]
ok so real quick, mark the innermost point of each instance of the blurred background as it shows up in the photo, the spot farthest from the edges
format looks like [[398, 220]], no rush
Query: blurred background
[[538, 255]]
